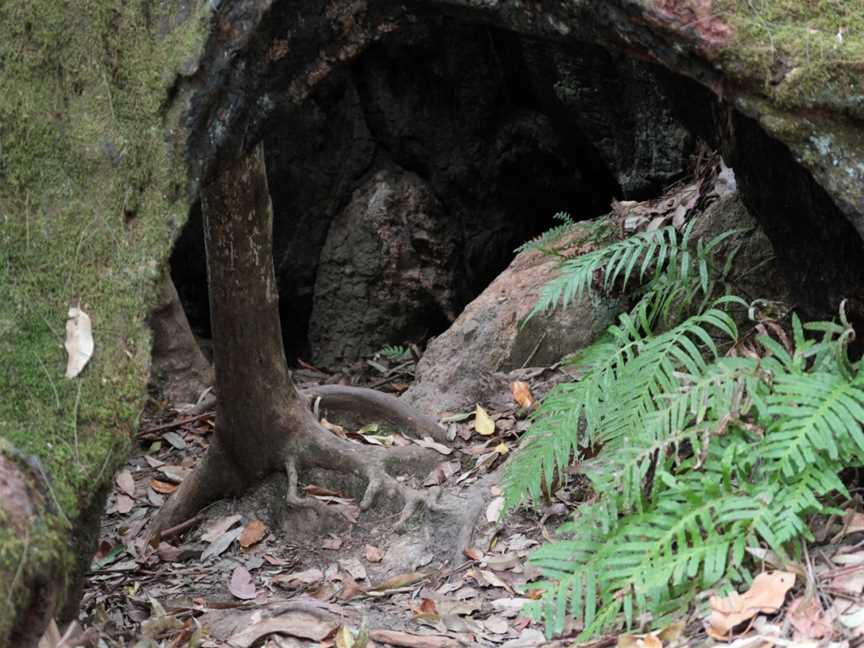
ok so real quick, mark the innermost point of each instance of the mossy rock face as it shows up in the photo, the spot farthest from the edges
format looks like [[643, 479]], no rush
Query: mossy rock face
[[90, 196]]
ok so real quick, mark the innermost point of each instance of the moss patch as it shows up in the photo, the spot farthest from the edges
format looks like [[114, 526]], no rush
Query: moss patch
[[803, 54], [90, 196]]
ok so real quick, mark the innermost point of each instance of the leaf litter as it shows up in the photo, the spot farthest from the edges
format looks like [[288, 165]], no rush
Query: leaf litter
[[235, 578]]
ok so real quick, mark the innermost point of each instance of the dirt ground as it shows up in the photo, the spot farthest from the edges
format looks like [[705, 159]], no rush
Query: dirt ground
[[248, 572]]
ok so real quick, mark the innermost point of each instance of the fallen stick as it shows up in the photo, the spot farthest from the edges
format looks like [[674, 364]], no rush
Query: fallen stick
[[173, 424]]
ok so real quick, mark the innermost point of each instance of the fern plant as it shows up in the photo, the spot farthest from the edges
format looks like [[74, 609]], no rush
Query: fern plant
[[694, 454]]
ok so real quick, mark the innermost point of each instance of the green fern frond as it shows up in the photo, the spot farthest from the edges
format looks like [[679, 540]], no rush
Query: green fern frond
[[544, 242]]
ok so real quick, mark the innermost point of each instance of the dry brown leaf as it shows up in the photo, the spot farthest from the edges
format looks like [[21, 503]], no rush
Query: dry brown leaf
[[125, 483], [522, 394], [299, 579], [295, 624], [472, 553], [217, 528], [410, 640], [79, 341], [218, 546], [124, 504], [493, 580], [338, 430], [853, 522], [252, 533], [483, 423], [332, 543], [493, 510], [402, 580], [427, 609], [350, 589], [162, 487], [431, 444], [374, 554], [808, 618], [354, 567], [322, 491], [276, 562], [766, 595]]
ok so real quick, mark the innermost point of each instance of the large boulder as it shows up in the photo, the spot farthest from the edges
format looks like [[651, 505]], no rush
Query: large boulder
[[387, 272], [492, 335]]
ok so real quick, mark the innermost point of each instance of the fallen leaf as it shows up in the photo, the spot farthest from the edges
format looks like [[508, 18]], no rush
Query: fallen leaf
[[483, 423], [295, 624], [175, 440], [124, 504], [509, 607], [374, 554], [496, 625], [162, 487], [428, 442], [853, 522], [502, 448], [350, 589], [493, 511], [338, 430], [808, 618], [79, 341], [766, 595], [299, 579], [321, 491], [344, 637], [426, 610], [125, 483], [174, 474], [252, 533], [410, 640], [397, 582], [217, 528], [218, 546], [522, 394], [276, 562], [494, 581], [154, 498], [241, 585], [354, 567], [472, 553], [332, 543]]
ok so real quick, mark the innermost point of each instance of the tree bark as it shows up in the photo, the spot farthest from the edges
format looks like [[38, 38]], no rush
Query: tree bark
[[263, 424]]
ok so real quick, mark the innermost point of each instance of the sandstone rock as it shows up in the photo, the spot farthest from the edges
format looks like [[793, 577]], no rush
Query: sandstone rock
[[456, 370]]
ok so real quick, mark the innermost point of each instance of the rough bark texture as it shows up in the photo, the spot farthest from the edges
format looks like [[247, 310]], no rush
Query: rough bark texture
[[178, 369]]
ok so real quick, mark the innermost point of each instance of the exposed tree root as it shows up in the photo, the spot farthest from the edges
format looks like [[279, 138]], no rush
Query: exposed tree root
[[372, 472], [375, 405]]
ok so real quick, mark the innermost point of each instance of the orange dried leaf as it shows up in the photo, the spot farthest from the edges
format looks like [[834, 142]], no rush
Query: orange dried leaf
[[162, 487], [374, 554], [522, 394], [252, 533]]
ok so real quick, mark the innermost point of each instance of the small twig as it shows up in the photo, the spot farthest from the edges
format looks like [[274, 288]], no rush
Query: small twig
[[50, 381], [177, 529], [174, 424], [534, 352]]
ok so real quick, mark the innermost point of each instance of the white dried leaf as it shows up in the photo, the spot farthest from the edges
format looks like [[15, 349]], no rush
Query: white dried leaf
[[79, 341]]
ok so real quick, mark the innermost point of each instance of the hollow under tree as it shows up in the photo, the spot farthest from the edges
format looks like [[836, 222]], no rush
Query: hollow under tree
[[263, 423]]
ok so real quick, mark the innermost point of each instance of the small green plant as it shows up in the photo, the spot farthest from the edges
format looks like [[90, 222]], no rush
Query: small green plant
[[395, 353], [694, 453]]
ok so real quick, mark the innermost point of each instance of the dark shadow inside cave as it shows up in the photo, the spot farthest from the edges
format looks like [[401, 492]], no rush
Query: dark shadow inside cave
[[402, 185]]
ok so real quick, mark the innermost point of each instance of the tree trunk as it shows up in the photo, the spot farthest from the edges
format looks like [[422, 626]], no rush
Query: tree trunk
[[263, 424]]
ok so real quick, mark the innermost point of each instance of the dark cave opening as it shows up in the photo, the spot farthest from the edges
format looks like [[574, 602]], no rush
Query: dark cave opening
[[403, 184]]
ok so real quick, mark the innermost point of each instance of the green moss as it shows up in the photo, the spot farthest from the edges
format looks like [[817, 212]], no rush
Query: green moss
[[90, 194], [802, 54]]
